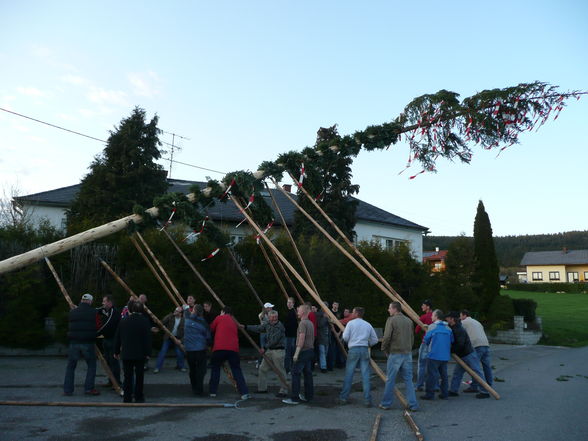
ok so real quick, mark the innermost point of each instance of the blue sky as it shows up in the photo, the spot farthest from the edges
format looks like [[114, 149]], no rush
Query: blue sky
[[246, 81]]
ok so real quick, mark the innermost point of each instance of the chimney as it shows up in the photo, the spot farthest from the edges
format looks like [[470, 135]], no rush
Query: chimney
[[287, 187], [436, 249]]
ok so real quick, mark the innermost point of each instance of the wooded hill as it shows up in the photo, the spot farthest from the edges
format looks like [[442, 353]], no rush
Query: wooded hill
[[511, 249]]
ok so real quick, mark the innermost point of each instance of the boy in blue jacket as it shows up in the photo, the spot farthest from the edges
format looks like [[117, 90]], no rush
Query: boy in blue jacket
[[439, 338]]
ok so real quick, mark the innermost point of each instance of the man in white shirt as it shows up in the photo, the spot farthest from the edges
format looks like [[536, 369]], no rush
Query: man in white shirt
[[480, 343], [360, 336]]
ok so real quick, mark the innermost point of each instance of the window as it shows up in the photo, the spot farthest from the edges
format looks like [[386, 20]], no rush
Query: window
[[537, 276], [390, 243], [585, 276], [438, 266], [573, 277], [553, 275]]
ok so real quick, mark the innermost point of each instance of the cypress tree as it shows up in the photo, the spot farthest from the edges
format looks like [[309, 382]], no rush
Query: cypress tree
[[485, 281], [458, 275]]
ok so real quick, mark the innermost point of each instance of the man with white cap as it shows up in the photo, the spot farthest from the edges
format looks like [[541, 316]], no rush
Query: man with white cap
[[82, 336], [263, 320]]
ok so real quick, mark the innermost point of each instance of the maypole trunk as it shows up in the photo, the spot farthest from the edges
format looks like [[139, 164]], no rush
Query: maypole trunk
[[71, 304], [220, 302]]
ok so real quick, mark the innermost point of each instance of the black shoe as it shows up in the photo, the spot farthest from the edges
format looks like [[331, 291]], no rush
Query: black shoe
[[67, 394], [453, 394], [324, 371], [482, 395], [426, 397], [470, 390], [261, 392], [441, 397], [139, 400]]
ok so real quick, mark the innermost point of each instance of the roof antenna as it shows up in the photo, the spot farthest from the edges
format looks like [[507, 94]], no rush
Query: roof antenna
[[173, 148]]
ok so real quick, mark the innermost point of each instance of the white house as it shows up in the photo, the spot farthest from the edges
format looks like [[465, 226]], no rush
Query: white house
[[373, 223]]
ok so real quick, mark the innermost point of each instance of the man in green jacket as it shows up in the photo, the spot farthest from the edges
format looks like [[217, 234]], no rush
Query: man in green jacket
[[397, 345]]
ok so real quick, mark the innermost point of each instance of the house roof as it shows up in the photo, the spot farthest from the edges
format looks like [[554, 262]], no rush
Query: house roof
[[434, 255], [63, 197], [560, 257]]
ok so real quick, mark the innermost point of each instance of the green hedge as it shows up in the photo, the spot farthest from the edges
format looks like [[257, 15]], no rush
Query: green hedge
[[581, 287]]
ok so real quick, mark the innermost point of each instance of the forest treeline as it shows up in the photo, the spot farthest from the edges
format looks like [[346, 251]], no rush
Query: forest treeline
[[511, 249]]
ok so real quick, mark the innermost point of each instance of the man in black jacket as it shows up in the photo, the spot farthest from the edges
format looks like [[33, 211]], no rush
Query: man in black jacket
[[462, 347], [291, 326], [108, 318], [82, 336], [132, 344]]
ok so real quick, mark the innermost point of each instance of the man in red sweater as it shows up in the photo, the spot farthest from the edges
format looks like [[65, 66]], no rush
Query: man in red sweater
[[427, 319], [226, 348]]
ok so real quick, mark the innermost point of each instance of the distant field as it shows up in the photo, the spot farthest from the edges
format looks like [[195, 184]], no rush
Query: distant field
[[565, 316]]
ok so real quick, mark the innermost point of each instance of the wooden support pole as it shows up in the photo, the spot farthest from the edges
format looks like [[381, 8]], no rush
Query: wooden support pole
[[305, 284], [105, 404], [376, 428], [389, 292], [290, 282], [126, 287], [161, 269], [154, 271], [413, 426], [247, 281], [220, 302], [71, 304]]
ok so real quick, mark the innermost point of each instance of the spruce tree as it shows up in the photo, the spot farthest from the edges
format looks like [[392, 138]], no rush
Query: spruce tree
[[485, 280], [125, 174]]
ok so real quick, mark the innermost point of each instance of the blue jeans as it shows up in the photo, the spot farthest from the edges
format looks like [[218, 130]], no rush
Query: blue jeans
[[74, 353], [483, 353], [290, 349], [422, 365], [399, 363], [357, 355], [303, 366], [323, 356], [472, 361], [436, 369], [164, 348], [234, 363]]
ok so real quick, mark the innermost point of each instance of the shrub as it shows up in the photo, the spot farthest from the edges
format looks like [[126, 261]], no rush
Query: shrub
[[581, 287], [501, 310], [526, 308]]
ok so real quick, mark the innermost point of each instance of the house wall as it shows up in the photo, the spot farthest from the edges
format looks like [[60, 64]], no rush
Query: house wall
[[373, 231], [563, 270], [580, 269], [38, 213]]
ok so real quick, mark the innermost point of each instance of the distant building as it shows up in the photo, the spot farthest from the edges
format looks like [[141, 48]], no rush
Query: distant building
[[556, 266], [436, 259], [373, 223]]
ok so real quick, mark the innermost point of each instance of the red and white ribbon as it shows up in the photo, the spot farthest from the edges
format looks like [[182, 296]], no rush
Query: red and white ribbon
[[196, 233], [267, 228], [302, 175], [251, 199], [169, 219], [211, 255], [228, 188]]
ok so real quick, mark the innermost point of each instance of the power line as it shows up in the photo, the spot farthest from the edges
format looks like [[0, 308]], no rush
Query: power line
[[102, 140]]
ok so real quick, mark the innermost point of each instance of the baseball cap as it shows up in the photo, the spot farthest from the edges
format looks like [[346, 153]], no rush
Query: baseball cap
[[87, 296], [268, 305]]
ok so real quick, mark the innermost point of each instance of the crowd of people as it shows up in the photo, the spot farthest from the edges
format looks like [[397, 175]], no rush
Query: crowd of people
[[307, 338]]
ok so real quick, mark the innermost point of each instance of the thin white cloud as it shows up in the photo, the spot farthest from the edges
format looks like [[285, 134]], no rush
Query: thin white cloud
[[145, 84], [20, 128], [37, 139], [76, 80], [102, 96], [31, 91]]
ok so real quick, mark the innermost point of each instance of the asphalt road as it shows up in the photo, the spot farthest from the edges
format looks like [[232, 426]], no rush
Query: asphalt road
[[534, 406]]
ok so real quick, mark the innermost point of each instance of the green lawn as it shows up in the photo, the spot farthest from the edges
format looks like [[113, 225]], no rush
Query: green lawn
[[565, 316]]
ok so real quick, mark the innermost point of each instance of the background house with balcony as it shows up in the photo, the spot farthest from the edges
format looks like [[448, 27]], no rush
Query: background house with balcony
[[556, 266], [373, 223]]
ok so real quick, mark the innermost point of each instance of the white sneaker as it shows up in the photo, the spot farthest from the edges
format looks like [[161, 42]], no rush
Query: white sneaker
[[302, 397], [245, 397], [212, 395], [155, 371], [290, 401]]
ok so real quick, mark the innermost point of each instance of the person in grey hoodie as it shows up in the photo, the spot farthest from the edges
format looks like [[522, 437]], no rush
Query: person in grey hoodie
[[197, 338]]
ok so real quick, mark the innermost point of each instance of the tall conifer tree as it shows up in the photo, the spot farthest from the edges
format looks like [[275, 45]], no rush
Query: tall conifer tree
[[486, 273], [124, 174]]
